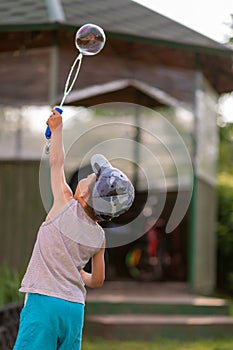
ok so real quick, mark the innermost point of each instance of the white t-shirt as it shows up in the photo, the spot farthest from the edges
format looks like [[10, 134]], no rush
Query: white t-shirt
[[63, 247]]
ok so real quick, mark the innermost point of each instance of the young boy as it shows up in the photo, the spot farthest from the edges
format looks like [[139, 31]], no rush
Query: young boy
[[54, 283]]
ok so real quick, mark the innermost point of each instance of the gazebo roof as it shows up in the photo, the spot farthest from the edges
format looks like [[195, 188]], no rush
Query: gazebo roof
[[139, 41], [124, 90], [122, 19]]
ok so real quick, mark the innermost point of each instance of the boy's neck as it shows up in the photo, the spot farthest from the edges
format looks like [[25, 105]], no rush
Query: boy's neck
[[87, 208]]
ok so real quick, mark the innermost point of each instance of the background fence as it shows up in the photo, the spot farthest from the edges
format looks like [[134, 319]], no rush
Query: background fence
[[21, 211]]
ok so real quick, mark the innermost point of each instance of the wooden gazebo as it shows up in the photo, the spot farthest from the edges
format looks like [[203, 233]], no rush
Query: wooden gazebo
[[148, 59]]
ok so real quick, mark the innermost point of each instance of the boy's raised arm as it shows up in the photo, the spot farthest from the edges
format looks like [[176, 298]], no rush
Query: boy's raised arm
[[61, 191], [56, 156]]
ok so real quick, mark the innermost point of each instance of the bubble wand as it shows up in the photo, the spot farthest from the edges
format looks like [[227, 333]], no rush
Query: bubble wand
[[89, 40]]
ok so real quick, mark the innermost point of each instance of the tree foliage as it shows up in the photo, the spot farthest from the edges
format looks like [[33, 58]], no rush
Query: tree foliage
[[225, 210]]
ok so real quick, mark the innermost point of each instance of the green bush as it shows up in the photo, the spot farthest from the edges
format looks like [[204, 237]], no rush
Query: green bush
[[9, 285], [225, 233]]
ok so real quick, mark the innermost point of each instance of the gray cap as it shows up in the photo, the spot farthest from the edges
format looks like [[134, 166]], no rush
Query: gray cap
[[113, 193]]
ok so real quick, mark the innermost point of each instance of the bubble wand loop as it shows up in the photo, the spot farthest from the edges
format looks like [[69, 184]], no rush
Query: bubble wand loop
[[67, 88], [89, 40]]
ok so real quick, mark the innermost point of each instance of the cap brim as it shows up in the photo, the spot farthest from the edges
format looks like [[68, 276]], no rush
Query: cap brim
[[98, 161]]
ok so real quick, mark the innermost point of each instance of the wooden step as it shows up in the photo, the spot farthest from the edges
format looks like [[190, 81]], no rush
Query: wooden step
[[146, 311], [150, 327], [164, 306], [152, 298]]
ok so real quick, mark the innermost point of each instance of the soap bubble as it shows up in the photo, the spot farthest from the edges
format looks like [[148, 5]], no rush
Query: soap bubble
[[90, 39]]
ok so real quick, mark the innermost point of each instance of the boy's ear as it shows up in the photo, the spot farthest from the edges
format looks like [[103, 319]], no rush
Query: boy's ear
[[81, 191], [84, 192]]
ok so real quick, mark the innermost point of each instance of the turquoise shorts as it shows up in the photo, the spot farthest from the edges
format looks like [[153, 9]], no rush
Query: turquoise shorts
[[50, 323]]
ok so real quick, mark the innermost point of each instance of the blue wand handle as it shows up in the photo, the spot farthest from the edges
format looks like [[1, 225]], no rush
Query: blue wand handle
[[48, 132]]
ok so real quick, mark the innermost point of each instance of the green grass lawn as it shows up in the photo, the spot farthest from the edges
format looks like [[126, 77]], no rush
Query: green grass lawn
[[160, 344]]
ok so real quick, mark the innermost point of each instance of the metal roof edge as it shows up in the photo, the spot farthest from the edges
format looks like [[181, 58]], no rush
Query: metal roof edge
[[159, 94], [116, 85], [222, 50]]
